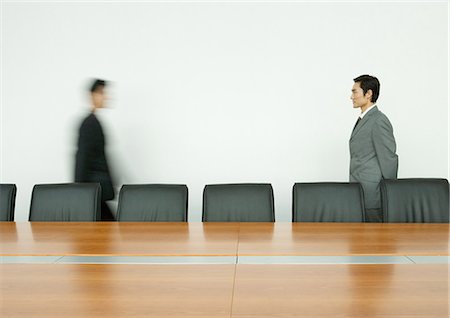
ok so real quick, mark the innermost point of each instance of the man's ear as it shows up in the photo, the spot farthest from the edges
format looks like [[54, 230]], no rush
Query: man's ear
[[369, 94]]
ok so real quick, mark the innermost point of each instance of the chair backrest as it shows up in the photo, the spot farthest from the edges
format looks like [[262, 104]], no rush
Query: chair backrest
[[7, 201], [327, 202], [75, 202], [245, 202], [153, 203], [419, 200]]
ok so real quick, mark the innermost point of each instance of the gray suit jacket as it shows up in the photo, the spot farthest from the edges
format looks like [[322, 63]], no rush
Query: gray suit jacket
[[372, 155]]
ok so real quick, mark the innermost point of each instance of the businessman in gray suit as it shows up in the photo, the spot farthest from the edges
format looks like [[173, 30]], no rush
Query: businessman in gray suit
[[372, 146]]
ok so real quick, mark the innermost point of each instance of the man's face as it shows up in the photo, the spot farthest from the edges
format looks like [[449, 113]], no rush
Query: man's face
[[358, 97], [99, 98]]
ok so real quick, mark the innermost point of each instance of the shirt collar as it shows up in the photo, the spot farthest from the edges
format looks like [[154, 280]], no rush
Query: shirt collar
[[367, 110]]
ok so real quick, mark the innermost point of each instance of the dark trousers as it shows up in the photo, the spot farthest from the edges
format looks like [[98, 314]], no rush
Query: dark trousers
[[107, 214], [374, 216]]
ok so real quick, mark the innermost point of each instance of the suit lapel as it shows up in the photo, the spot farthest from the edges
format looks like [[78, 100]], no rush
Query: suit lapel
[[363, 121]]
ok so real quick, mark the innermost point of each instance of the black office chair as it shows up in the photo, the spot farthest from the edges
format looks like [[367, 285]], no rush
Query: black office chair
[[7, 201], [153, 203], [73, 202], [238, 203], [327, 202], [418, 200]]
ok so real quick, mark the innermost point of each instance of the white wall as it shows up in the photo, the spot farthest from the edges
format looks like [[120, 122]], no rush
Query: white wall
[[219, 92]]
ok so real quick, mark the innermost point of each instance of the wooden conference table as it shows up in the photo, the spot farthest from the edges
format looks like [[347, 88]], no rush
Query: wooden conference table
[[224, 270]]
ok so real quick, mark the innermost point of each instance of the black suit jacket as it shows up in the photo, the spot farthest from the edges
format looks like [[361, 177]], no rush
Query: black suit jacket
[[91, 164]]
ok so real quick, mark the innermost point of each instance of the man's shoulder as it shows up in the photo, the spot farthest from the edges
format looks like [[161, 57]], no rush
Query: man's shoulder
[[381, 121], [89, 120], [378, 116], [381, 117]]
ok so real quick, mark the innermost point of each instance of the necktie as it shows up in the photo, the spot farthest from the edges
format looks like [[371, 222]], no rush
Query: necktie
[[359, 119]]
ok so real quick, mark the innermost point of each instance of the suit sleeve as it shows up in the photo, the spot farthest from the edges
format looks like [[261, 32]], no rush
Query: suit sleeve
[[85, 145], [385, 148]]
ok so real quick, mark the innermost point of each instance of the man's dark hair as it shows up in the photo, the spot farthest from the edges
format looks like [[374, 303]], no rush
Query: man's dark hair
[[369, 82], [96, 85]]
